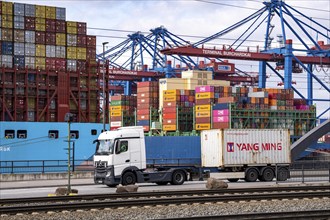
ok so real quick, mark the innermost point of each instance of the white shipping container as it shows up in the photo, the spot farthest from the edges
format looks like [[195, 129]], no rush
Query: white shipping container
[[19, 48], [7, 61], [258, 94], [238, 147], [30, 62], [71, 65], [60, 52], [30, 10], [60, 13], [19, 22], [50, 51], [30, 49], [115, 124], [71, 40], [19, 9], [30, 37]]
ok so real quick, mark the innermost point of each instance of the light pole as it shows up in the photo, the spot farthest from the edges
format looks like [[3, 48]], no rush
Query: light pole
[[104, 96]]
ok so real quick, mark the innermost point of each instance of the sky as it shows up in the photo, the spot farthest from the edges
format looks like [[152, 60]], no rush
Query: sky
[[190, 18]]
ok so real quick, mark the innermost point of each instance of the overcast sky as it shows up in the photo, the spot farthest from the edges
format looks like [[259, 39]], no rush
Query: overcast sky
[[182, 17]]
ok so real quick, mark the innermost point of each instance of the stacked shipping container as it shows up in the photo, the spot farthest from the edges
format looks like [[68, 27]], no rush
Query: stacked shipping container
[[177, 112], [122, 110], [147, 104]]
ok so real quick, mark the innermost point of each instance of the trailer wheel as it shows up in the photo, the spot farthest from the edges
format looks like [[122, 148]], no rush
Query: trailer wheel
[[178, 177], [233, 180], [251, 175], [128, 178], [268, 174], [282, 174]]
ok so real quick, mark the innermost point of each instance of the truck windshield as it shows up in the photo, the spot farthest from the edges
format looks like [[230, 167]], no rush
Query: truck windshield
[[104, 147]]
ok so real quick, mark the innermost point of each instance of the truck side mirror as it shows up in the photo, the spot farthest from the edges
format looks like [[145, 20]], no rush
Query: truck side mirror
[[95, 141]]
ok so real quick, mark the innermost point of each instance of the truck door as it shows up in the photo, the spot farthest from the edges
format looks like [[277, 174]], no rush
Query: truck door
[[122, 156]]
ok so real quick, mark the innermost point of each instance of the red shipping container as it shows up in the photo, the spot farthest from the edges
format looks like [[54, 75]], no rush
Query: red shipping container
[[91, 53], [40, 37], [169, 104], [143, 117], [220, 125], [143, 111], [149, 100], [203, 120], [115, 118], [147, 95], [91, 41], [51, 63], [81, 40], [169, 109], [227, 100], [50, 38], [146, 89], [50, 25], [81, 65], [60, 26], [147, 106], [118, 98], [81, 28], [203, 101], [60, 64], [30, 23], [169, 121], [169, 115], [147, 84]]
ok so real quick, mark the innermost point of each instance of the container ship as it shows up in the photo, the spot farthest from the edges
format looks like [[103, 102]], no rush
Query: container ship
[[49, 69]]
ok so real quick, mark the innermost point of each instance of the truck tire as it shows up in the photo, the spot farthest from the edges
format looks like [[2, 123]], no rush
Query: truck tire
[[251, 175], [267, 174], [128, 179], [112, 185], [161, 183], [233, 180], [178, 177], [282, 174]]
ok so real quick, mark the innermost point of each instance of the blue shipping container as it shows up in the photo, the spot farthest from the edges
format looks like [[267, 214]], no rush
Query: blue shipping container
[[7, 48], [19, 61], [143, 122], [221, 106]]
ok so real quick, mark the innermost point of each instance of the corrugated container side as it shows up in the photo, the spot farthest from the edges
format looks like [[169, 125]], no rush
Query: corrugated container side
[[40, 37], [50, 38], [19, 36], [40, 24], [60, 39], [6, 34], [30, 62], [60, 13], [71, 53], [81, 28], [40, 11], [19, 9], [71, 27], [7, 21], [71, 40], [60, 51], [30, 49], [19, 22], [30, 37], [41, 63], [50, 12], [19, 61], [7, 8], [50, 25], [81, 40], [60, 26], [30, 10], [7, 48], [91, 53], [71, 65], [19, 48], [50, 51], [237, 147], [40, 50], [91, 41], [81, 53], [30, 23], [7, 61]]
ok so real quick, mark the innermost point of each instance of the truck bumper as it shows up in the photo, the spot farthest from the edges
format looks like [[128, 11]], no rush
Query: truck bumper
[[106, 176]]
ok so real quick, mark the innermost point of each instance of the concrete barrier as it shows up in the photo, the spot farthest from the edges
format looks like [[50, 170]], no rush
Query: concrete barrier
[[46, 176]]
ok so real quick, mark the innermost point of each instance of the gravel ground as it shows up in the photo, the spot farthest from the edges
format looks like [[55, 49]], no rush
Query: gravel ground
[[185, 210]]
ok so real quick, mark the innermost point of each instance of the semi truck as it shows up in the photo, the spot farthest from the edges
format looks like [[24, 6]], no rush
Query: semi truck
[[122, 156]]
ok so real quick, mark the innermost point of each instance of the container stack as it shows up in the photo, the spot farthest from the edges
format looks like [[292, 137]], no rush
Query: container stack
[[122, 109], [204, 99], [37, 36], [177, 111], [147, 104]]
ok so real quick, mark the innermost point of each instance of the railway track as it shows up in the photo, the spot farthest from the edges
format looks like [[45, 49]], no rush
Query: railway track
[[87, 202]]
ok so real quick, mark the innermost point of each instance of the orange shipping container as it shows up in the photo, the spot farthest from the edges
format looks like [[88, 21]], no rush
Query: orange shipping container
[[205, 95], [203, 127], [169, 115], [202, 114], [199, 108], [171, 98], [169, 127], [143, 117], [115, 113], [172, 92], [169, 121]]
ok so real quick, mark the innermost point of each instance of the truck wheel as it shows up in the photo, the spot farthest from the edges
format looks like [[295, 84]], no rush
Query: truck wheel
[[161, 183], [282, 174], [251, 175], [178, 177], [233, 180], [268, 174], [112, 185], [128, 179]]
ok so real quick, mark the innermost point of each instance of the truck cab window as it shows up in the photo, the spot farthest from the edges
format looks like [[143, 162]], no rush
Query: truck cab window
[[104, 147], [122, 147]]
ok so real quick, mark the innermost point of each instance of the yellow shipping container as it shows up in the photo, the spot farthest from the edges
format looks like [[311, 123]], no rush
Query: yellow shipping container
[[115, 113], [7, 8], [71, 27], [50, 12], [71, 53], [171, 92], [205, 95], [197, 74], [7, 21], [41, 62], [170, 98], [116, 108], [203, 127], [203, 114], [40, 50], [60, 39], [40, 24], [169, 127], [40, 11], [81, 53], [199, 108]]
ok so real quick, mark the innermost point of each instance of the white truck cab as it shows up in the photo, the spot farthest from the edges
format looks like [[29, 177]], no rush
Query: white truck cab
[[120, 158]]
